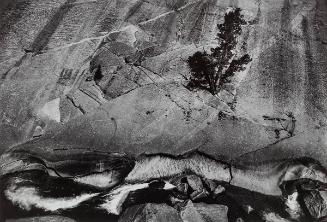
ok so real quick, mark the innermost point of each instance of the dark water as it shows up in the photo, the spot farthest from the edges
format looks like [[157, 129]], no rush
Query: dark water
[[46, 186], [54, 187]]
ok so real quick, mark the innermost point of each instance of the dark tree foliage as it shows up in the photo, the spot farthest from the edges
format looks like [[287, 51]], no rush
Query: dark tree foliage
[[211, 70]]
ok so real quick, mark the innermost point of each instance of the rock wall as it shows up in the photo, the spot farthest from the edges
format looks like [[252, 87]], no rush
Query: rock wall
[[111, 76]]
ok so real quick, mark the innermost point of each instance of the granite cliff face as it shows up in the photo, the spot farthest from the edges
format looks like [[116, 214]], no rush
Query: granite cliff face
[[111, 76], [84, 81]]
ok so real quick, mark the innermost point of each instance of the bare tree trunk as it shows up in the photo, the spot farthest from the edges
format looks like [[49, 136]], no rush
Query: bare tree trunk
[[208, 79], [212, 87], [218, 79]]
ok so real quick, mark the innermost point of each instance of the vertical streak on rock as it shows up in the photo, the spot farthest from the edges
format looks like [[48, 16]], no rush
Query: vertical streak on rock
[[17, 64], [4, 4], [91, 24], [322, 26], [15, 10], [88, 24], [196, 30], [258, 15], [311, 93], [233, 3], [108, 18], [10, 13], [283, 77], [133, 10], [314, 32], [257, 35], [168, 31], [209, 30], [261, 54], [43, 37]]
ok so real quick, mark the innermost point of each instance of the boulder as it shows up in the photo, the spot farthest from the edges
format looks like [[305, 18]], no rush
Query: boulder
[[212, 212], [316, 203], [150, 213], [201, 212]]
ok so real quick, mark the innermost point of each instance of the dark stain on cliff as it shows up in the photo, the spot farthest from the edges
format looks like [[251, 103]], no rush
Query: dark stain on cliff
[[311, 93], [256, 20], [107, 15], [10, 13], [108, 23], [133, 10], [315, 50], [167, 32], [4, 4], [17, 64], [43, 38], [283, 76], [233, 3], [195, 33]]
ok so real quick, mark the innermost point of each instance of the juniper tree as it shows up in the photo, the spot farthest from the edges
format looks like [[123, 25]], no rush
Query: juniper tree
[[211, 70]]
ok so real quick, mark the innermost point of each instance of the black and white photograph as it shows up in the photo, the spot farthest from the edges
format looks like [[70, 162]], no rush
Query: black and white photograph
[[163, 110]]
